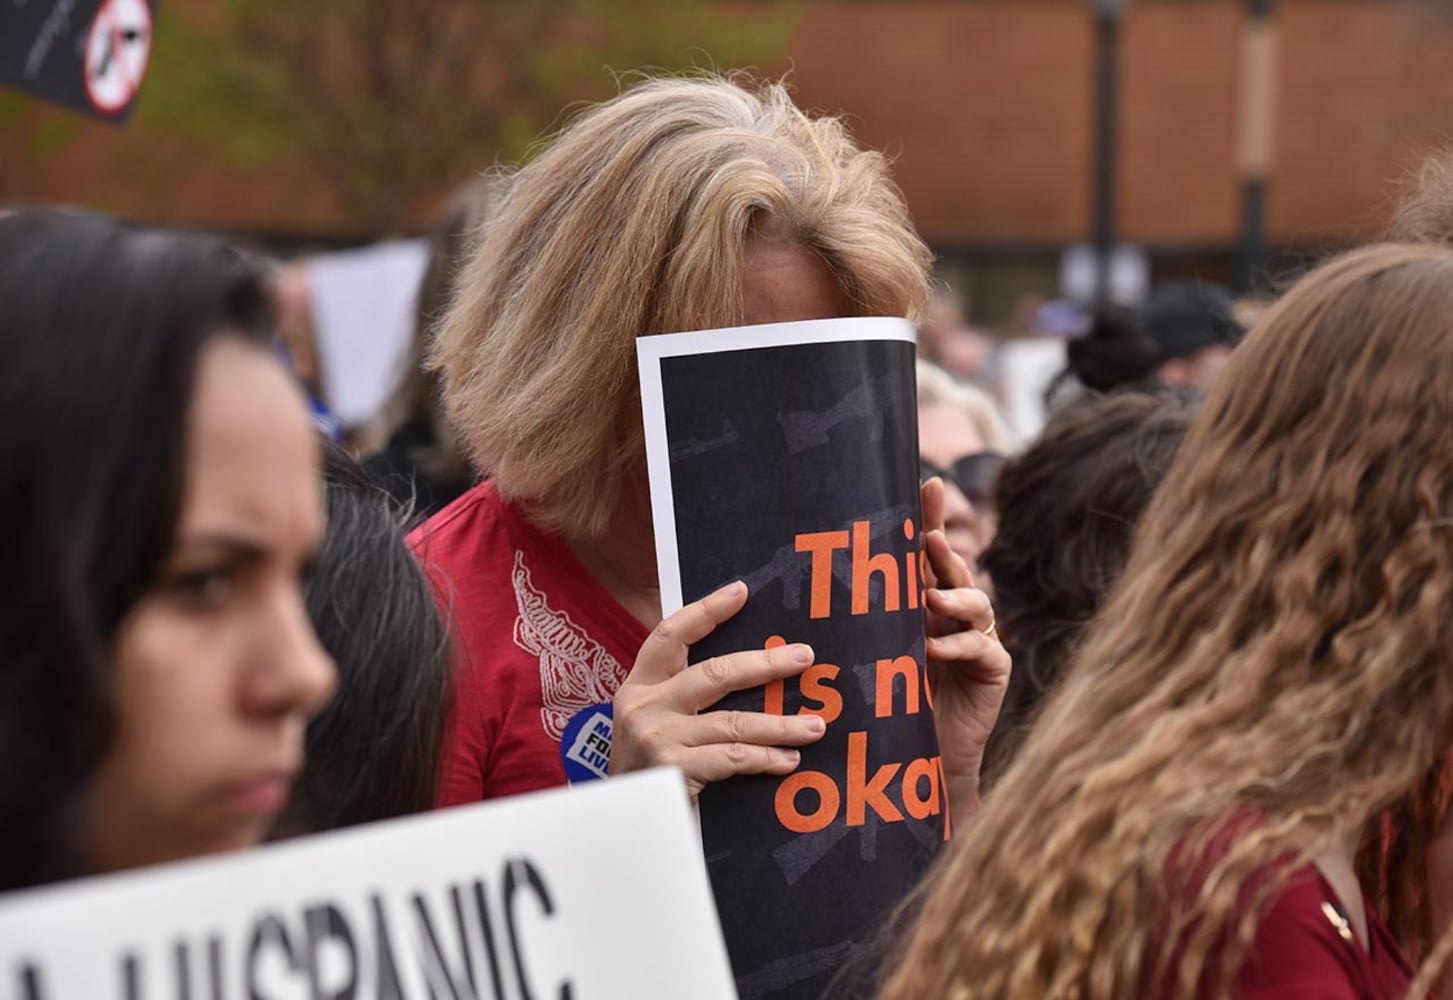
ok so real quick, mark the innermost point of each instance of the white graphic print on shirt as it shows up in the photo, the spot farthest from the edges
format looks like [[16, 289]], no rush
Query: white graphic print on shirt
[[575, 670]]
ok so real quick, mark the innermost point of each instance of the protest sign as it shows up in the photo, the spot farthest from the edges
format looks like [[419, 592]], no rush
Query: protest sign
[[89, 54], [363, 303], [1028, 367], [590, 894], [786, 455]]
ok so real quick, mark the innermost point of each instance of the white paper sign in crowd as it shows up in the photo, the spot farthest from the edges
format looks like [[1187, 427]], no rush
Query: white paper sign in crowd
[[593, 893], [363, 322]]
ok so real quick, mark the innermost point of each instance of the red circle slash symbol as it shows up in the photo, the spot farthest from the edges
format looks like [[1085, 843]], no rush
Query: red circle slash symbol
[[118, 46]]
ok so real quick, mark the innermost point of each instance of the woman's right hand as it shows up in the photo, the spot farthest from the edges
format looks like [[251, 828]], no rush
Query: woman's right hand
[[658, 710]]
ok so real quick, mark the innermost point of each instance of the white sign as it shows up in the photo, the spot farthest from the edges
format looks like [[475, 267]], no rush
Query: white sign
[[118, 47], [1026, 368], [363, 318], [594, 893]]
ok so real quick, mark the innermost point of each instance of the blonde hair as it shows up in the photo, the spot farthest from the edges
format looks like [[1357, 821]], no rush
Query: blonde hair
[[1424, 211], [936, 386], [1276, 661], [415, 398], [635, 222]]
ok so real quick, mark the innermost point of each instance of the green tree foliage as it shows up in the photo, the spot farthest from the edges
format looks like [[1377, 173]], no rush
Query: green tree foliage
[[391, 101]]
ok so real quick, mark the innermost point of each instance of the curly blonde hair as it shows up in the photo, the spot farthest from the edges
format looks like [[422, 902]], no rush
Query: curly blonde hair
[[1279, 647], [635, 221]]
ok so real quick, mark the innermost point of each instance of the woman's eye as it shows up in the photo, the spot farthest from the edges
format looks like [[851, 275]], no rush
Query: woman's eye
[[206, 588]]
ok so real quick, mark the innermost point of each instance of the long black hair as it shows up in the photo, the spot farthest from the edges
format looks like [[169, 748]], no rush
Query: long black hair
[[102, 326], [373, 753]]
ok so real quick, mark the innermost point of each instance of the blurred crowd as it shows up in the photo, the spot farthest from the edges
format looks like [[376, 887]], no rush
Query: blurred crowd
[[1189, 635]]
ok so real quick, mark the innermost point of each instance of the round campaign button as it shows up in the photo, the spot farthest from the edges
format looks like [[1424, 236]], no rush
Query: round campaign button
[[585, 744]]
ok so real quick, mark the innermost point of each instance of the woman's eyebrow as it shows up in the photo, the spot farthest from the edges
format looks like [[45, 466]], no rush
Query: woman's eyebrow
[[235, 546]]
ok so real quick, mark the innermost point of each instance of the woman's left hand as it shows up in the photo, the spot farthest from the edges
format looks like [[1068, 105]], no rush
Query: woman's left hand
[[968, 668]]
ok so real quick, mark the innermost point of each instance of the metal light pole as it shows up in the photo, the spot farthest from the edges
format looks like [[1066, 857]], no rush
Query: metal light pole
[[1107, 43], [1255, 136]]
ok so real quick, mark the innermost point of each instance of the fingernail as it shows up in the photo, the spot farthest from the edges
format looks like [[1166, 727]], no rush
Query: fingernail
[[792, 757], [801, 654], [815, 725]]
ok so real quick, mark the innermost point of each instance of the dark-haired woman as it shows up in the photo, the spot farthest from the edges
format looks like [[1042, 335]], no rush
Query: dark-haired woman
[[1070, 504], [162, 505], [373, 753]]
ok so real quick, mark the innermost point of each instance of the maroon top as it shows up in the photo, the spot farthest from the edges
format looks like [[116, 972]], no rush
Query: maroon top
[[1306, 948]]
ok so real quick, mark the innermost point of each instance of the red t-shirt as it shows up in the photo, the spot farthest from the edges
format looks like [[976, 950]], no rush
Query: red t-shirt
[[536, 641]]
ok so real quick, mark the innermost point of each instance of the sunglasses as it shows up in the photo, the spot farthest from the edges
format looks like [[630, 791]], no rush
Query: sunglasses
[[974, 474]]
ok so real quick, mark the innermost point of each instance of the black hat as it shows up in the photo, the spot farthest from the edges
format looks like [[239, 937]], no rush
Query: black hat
[[1184, 317]]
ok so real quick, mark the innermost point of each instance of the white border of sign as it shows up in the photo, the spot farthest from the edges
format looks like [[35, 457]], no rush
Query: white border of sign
[[650, 351]]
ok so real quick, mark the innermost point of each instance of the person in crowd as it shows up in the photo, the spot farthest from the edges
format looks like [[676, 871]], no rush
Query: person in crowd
[[961, 523], [937, 386], [289, 287], [1181, 338], [373, 753], [679, 205], [412, 452], [1272, 673], [1070, 505], [1112, 352], [1194, 327], [946, 339], [163, 503], [963, 438]]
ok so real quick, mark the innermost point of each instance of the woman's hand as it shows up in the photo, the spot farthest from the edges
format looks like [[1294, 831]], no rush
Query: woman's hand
[[968, 668], [656, 709]]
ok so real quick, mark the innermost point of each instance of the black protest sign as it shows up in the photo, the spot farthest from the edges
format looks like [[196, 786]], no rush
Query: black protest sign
[[89, 54], [787, 456]]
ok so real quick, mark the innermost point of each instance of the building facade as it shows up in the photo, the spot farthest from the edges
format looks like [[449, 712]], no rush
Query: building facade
[[987, 107]]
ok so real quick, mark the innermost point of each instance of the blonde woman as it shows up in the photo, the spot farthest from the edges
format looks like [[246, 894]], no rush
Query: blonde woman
[[963, 438], [679, 205], [1273, 672]]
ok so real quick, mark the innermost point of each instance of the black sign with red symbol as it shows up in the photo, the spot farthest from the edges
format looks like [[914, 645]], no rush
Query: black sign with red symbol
[[89, 54]]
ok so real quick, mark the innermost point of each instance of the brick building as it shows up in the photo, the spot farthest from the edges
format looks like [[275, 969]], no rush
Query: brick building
[[990, 113], [987, 107]]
